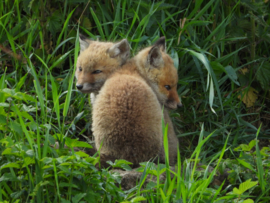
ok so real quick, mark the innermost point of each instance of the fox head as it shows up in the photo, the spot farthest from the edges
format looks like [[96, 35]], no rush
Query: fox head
[[97, 60], [158, 69]]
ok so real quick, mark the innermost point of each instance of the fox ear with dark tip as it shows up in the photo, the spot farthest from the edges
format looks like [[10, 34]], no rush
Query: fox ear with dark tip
[[161, 43], [84, 42], [155, 57], [120, 49]]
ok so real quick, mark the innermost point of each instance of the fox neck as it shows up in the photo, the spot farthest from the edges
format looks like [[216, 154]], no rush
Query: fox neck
[[144, 73]]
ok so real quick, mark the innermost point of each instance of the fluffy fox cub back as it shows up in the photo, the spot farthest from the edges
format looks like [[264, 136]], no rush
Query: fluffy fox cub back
[[127, 119], [97, 60]]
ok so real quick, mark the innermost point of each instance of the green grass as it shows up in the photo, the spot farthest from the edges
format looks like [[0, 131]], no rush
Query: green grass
[[39, 104]]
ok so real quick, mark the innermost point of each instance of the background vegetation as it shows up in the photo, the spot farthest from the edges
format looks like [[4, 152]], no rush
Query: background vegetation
[[221, 51]]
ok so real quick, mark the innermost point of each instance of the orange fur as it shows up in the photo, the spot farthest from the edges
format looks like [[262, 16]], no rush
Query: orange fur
[[157, 73], [127, 111], [127, 119], [97, 60]]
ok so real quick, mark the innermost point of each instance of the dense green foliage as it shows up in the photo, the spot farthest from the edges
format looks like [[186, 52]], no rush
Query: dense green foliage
[[221, 51]]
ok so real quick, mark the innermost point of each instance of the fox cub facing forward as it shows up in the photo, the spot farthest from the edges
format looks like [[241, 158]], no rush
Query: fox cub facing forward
[[97, 60], [127, 111]]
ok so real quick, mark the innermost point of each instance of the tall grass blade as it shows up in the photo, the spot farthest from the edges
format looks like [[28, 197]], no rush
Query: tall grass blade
[[98, 24], [68, 96], [65, 26], [259, 163]]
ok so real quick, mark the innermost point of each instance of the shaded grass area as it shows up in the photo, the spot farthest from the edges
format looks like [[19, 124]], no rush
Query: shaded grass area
[[221, 51]]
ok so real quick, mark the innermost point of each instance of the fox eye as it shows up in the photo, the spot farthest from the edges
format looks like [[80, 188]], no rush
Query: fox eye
[[168, 87], [96, 71], [80, 68]]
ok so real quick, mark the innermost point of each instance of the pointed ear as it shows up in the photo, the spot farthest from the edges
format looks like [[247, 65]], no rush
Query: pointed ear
[[121, 49], [161, 43], [155, 57], [84, 42]]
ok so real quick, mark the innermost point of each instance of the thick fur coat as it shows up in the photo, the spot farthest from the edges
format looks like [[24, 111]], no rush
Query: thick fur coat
[[127, 119], [127, 112]]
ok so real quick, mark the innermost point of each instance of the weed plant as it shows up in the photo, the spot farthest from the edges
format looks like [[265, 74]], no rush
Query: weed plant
[[221, 51]]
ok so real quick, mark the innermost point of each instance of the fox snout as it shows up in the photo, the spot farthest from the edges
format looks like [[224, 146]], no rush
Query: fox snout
[[174, 101], [86, 87], [79, 86], [89, 87]]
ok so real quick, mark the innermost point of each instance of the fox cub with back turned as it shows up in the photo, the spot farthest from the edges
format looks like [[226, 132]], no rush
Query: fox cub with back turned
[[127, 111]]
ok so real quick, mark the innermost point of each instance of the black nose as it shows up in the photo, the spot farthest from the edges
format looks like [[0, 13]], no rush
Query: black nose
[[179, 105], [79, 87]]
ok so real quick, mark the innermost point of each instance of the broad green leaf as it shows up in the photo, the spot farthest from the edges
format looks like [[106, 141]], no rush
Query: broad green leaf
[[68, 185], [3, 119], [7, 142], [236, 191], [16, 195], [7, 151], [247, 185], [62, 159], [8, 177], [245, 147], [2, 104], [78, 197], [82, 154], [244, 187], [40, 184], [121, 161], [265, 151], [248, 201], [246, 164], [47, 160], [30, 152], [251, 144], [232, 74], [11, 151], [54, 22], [10, 165], [75, 143], [218, 68], [27, 161], [65, 201], [138, 199], [13, 125], [123, 164]]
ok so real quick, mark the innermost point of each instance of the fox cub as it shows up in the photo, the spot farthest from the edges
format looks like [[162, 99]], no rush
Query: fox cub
[[97, 60], [167, 96], [127, 111]]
